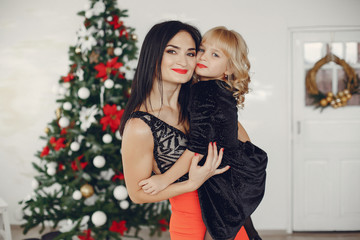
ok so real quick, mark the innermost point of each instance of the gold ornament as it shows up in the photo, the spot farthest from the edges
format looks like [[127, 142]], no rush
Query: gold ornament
[[110, 51], [94, 57], [77, 50], [134, 37], [344, 99], [87, 190], [329, 99], [47, 130], [58, 113], [324, 102], [330, 94]]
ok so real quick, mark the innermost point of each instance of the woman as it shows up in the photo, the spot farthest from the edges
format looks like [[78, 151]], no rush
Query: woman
[[154, 125]]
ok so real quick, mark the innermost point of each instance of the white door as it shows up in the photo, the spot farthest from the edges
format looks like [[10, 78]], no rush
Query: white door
[[326, 144]]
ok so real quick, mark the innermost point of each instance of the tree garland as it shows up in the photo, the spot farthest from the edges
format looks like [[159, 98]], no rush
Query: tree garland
[[339, 99]]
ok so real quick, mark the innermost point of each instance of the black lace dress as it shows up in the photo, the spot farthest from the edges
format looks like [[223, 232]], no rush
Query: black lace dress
[[227, 199], [169, 142]]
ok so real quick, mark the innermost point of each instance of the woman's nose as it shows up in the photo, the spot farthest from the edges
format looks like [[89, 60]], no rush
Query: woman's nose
[[182, 60]]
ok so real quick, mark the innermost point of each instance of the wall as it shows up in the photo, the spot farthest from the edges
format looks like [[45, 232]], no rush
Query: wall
[[35, 36]]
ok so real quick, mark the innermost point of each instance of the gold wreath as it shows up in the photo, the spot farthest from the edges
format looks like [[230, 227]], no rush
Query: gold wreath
[[342, 97]]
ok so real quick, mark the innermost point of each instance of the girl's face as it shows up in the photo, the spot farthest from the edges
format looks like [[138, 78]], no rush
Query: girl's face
[[211, 62], [179, 59]]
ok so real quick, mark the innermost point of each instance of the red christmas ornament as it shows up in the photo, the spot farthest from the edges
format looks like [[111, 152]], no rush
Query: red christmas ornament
[[164, 225], [112, 117], [86, 236], [63, 131], [111, 66], [68, 78], [119, 176], [119, 227], [45, 151], [115, 22], [124, 32], [61, 167], [74, 166]]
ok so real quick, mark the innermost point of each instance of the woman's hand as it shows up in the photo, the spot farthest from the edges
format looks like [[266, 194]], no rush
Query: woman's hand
[[199, 174]]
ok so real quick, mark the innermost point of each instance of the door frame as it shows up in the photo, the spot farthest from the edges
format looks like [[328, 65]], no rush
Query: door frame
[[292, 128]]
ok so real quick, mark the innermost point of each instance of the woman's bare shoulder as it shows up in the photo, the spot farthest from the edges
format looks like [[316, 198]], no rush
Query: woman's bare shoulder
[[137, 128]]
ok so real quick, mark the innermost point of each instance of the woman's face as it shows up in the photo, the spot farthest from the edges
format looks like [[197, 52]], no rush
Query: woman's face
[[179, 59]]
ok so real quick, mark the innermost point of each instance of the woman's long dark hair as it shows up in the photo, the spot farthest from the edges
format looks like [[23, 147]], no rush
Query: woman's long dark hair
[[149, 66]]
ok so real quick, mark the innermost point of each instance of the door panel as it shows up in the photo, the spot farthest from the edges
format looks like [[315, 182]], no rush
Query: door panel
[[326, 144]]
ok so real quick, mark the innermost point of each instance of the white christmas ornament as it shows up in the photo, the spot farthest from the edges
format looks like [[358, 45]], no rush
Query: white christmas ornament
[[51, 171], [89, 13], [109, 19], [109, 83], [99, 7], [76, 195], [75, 146], [83, 93], [51, 165], [98, 218], [120, 192], [117, 135], [64, 122], [107, 138], [67, 106], [34, 184], [118, 51], [99, 161], [124, 204], [66, 85], [62, 90]]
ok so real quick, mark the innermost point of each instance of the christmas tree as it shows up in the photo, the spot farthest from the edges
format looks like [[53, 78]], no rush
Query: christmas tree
[[80, 188]]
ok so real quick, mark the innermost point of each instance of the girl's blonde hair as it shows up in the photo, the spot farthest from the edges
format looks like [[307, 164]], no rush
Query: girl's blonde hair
[[235, 48]]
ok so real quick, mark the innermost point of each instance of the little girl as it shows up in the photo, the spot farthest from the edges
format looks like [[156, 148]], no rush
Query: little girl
[[226, 199]]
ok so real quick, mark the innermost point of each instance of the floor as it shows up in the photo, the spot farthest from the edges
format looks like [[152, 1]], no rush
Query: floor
[[266, 235]]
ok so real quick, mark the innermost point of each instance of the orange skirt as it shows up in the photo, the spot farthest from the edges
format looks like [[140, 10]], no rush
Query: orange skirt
[[186, 221]]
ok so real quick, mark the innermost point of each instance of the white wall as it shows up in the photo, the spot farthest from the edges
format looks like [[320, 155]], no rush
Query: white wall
[[34, 40]]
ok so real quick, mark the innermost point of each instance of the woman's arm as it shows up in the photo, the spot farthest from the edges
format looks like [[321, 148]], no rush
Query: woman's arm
[[137, 164]]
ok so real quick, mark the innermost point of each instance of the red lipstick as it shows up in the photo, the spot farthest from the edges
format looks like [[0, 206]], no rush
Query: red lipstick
[[201, 65], [179, 70]]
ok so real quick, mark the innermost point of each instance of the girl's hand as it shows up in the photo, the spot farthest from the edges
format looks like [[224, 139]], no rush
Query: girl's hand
[[199, 174], [153, 184]]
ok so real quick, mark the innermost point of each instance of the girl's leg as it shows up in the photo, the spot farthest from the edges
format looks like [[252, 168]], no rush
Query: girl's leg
[[250, 229], [208, 236]]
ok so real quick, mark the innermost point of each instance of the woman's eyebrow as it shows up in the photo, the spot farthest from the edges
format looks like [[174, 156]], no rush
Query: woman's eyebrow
[[176, 47]]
